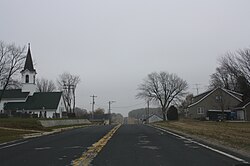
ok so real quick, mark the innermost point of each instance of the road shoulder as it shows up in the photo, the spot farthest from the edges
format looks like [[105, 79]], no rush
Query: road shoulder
[[209, 142]]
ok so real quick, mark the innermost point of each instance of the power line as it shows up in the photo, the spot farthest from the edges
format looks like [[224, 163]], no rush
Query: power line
[[128, 106]]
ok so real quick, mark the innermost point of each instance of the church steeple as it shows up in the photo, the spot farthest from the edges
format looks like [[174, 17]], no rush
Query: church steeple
[[28, 75], [28, 62]]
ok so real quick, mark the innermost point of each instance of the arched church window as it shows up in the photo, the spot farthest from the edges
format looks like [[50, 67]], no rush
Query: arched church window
[[27, 79]]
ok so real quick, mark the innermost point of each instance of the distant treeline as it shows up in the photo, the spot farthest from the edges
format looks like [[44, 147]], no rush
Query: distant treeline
[[142, 113]]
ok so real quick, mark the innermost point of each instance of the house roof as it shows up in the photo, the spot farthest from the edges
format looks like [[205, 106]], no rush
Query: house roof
[[39, 100], [235, 93], [243, 104], [14, 94], [201, 95], [154, 115], [28, 62], [208, 93]]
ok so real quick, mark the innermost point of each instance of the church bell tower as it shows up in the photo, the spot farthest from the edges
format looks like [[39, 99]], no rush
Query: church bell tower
[[29, 75]]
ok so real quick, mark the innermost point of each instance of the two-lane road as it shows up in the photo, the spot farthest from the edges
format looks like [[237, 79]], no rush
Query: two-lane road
[[131, 145]]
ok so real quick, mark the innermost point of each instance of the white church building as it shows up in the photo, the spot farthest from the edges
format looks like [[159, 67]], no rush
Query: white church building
[[30, 102]]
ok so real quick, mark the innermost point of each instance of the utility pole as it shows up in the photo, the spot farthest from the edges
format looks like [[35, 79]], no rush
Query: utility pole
[[197, 88], [110, 102], [93, 105]]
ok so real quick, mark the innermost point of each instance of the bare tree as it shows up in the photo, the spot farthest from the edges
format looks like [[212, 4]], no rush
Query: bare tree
[[14, 84], [163, 88], [45, 85], [80, 112], [99, 111], [11, 61], [233, 67], [68, 83], [224, 79], [243, 60], [185, 103]]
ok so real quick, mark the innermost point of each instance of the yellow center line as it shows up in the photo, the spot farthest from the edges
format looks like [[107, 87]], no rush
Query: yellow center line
[[92, 151]]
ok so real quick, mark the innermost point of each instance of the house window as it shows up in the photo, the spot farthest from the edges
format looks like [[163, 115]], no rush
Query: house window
[[218, 98], [27, 79], [200, 110], [34, 79]]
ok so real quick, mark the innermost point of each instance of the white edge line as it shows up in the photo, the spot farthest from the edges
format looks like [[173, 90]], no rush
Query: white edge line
[[43, 148], [4, 147], [9, 142], [205, 146]]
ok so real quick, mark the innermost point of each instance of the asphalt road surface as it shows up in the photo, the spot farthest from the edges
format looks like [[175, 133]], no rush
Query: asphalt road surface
[[52, 150], [131, 145], [140, 145]]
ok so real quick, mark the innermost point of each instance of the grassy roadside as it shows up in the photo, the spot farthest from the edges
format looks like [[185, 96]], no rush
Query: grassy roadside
[[22, 123], [231, 134], [11, 135], [15, 128]]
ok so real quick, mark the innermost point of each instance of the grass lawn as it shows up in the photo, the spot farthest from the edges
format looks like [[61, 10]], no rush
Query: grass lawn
[[7, 135], [22, 123], [234, 134], [10, 135], [15, 128]]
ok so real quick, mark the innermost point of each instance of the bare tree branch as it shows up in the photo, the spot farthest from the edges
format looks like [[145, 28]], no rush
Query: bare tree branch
[[45, 85], [68, 83], [162, 87], [233, 67], [11, 61]]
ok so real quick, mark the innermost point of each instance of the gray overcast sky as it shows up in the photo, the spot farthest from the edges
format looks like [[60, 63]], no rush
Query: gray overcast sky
[[113, 44]]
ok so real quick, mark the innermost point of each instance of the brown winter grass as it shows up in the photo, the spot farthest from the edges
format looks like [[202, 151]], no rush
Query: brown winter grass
[[233, 134], [15, 128], [22, 123], [10, 135]]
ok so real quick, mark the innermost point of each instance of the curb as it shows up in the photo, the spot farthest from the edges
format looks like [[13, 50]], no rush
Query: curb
[[34, 135]]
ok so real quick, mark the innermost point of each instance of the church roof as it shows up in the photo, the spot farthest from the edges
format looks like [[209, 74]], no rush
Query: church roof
[[14, 94], [39, 101], [28, 62]]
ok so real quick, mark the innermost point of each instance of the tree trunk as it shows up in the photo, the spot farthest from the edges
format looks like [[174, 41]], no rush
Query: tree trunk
[[74, 100], [164, 114]]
